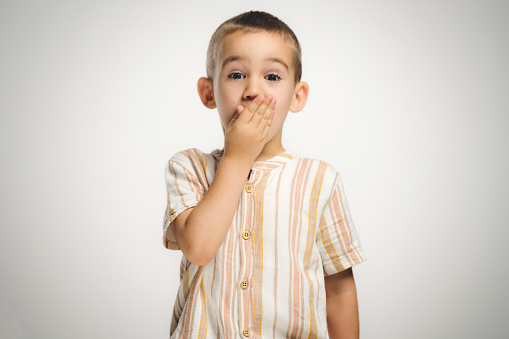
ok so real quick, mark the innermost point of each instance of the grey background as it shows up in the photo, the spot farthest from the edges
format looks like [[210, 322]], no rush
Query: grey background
[[409, 101]]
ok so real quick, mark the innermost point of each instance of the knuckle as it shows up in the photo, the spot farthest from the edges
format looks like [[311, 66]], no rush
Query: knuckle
[[250, 109]]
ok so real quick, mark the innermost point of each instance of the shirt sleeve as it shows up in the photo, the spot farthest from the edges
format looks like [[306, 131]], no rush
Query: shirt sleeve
[[338, 243], [184, 190]]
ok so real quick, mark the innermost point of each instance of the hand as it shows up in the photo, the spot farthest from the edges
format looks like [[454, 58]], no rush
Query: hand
[[246, 134]]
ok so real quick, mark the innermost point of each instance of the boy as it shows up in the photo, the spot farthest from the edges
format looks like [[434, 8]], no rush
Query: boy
[[266, 236]]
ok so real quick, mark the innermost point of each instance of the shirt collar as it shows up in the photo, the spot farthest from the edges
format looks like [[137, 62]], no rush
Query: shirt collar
[[265, 165], [274, 162]]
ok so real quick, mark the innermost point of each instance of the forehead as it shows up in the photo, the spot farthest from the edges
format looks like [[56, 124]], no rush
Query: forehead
[[255, 46]]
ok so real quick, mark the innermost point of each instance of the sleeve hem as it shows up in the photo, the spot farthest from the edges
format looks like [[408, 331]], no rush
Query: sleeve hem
[[344, 262], [170, 242]]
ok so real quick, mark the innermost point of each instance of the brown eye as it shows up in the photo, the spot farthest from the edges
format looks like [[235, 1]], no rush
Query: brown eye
[[273, 77], [236, 76]]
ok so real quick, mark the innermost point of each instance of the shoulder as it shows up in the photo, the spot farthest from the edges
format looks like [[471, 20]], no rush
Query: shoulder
[[316, 166], [193, 158], [319, 175]]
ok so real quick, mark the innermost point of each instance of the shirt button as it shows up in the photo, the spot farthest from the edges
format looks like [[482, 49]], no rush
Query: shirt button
[[246, 332], [244, 284], [246, 235], [249, 188]]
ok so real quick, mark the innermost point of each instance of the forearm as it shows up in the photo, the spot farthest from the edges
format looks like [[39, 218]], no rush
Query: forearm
[[206, 226], [200, 231], [342, 307]]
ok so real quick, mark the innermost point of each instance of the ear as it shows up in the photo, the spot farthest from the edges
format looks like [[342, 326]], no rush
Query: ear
[[206, 93], [300, 97]]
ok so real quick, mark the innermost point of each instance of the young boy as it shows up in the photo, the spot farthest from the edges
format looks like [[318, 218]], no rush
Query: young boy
[[267, 239]]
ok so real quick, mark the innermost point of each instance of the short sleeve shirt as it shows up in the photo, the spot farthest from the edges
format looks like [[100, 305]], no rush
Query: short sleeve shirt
[[291, 229]]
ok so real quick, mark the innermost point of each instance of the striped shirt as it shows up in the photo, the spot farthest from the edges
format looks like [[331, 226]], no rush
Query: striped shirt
[[291, 229]]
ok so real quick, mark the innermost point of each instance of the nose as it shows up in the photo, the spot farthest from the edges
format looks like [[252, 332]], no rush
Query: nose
[[252, 90]]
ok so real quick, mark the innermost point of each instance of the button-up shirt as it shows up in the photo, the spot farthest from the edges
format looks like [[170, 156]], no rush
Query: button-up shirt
[[291, 229]]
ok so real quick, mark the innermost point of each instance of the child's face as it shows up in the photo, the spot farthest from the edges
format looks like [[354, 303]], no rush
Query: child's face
[[252, 64]]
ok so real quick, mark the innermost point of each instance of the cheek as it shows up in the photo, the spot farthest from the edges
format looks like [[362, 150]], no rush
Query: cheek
[[279, 119], [283, 104], [226, 100]]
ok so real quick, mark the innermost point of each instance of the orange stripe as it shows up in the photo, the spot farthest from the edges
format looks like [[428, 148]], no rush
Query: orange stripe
[[349, 228], [342, 232], [302, 225], [189, 314], [298, 186], [276, 213], [291, 311], [195, 159]]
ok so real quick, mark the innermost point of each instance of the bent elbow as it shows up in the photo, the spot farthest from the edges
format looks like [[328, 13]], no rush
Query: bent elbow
[[200, 261], [198, 248], [198, 255]]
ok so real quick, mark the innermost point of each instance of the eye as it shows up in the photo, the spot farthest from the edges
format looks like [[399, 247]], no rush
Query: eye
[[236, 76], [273, 77]]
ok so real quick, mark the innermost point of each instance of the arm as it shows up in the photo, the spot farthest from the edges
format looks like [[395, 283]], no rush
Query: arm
[[201, 230], [342, 309]]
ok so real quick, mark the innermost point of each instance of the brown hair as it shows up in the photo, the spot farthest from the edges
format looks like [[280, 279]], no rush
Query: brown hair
[[253, 21]]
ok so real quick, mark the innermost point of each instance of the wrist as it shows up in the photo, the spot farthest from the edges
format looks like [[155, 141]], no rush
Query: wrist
[[241, 164]]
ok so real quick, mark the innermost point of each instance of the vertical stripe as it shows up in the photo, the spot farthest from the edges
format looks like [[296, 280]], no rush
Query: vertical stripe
[[276, 221], [291, 236], [327, 244], [348, 227], [298, 190], [341, 229], [203, 318], [212, 285], [312, 219], [259, 256], [189, 315], [229, 279], [195, 157], [320, 295]]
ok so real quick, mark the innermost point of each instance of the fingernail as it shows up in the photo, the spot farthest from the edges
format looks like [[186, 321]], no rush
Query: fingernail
[[273, 112], [261, 98], [269, 98], [273, 101]]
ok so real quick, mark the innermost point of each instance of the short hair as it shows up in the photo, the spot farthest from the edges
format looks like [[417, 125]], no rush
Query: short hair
[[253, 21]]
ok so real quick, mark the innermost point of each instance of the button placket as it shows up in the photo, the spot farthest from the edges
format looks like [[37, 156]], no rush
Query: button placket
[[249, 187]]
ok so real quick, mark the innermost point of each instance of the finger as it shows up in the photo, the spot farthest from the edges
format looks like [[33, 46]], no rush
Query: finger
[[268, 125], [232, 121], [240, 108], [250, 110], [267, 114], [257, 117]]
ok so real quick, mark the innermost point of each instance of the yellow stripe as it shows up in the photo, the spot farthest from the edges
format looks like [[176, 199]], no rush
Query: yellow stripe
[[201, 314]]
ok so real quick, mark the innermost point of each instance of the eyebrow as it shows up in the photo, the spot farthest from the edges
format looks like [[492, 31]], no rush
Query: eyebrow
[[237, 58], [231, 59], [278, 61]]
